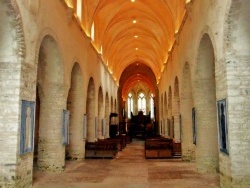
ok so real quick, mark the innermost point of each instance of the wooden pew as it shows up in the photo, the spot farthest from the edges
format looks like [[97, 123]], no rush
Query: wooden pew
[[118, 142], [126, 137], [158, 148], [177, 150], [123, 140], [100, 149]]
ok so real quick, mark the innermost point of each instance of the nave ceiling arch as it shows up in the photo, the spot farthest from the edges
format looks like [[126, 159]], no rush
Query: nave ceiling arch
[[127, 31]]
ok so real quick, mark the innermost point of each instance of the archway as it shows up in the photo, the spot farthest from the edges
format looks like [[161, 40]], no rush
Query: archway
[[107, 112], [165, 114], [75, 105], [50, 81], [205, 108], [170, 120], [91, 128], [101, 120], [51, 152], [176, 112], [187, 103]]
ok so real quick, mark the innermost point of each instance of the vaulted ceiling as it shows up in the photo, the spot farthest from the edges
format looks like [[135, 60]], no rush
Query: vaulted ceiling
[[126, 32]]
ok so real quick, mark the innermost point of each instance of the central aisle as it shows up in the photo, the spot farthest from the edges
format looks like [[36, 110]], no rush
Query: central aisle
[[128, 170]]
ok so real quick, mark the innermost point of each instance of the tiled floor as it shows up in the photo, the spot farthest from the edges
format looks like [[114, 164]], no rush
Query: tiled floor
[[129, 170]]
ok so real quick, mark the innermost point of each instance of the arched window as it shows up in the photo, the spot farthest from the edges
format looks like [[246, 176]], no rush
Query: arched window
[[79, 9], [130, 105], [152, 106], [142, 103], [101, 50], [92, 34]]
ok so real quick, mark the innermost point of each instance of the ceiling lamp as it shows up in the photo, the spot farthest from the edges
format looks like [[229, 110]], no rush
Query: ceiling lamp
[[132, 1], [134, 21], [136, 49], [136, 36]]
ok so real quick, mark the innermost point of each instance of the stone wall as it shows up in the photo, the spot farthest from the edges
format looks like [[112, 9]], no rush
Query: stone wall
[[237, 68], [24, 25], [227, 24], [12, 64]]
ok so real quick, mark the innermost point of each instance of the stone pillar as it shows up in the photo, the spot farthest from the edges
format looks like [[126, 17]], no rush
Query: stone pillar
[[170, 123], [187, 146], [51, 151], [177, 133], [76, 143], [107, 128], [186, 105], [165, 128], [207, 133], [100, 128], [207, 157]]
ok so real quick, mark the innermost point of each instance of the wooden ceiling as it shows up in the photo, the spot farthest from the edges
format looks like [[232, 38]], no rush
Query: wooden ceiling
[[130, 31]]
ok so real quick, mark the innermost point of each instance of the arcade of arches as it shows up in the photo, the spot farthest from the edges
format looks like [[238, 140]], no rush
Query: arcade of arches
[[75, 62]]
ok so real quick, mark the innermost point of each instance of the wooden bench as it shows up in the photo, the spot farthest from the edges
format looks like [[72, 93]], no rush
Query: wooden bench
[[177, 149], [123, 140], [100, 149], [118, 142], [126, 137], [158, 148]]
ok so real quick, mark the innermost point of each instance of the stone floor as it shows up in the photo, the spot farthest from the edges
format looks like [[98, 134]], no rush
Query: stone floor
[[128, 170]]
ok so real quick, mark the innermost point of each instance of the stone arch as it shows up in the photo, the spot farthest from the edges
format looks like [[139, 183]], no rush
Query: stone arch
[[236, 40], [34, 7], [170, 122], [91, 110], [12, 40], [187, 103], [50, 84], [49, 63], [176, 111], [235, 67], [107, 112], [205, 107], [100, 113], [75, 103]]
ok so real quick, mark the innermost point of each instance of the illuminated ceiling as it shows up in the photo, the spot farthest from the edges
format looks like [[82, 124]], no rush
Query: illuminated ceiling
[[134, 75], [129, 31]]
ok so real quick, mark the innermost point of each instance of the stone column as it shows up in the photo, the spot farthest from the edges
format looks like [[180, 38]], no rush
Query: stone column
[[51, 151], [177, 133]]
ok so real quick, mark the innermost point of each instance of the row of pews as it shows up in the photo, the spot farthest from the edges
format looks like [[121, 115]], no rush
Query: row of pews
[[106, 148], [159, 147], [155, 147]]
